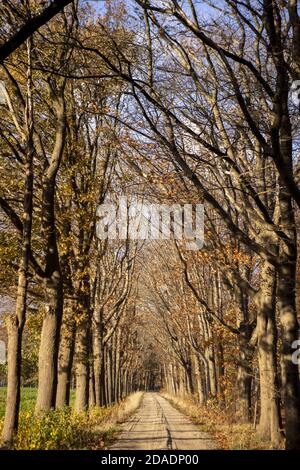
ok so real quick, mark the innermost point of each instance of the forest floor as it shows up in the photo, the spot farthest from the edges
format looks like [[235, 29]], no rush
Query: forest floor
[[158, 425]]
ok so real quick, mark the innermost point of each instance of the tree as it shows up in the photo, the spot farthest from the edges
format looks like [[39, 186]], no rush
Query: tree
[[30, 24], [16, 322]]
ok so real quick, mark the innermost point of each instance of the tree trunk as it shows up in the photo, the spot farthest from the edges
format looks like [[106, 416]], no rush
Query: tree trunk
[[189, 378], [286, 289], [14, 347], [103, 393], [82, 366], [289, 370], [199, 381], [117, 368], [269, 423], [97, 368], [244, 377], [49, 345], [220, 371], [92, 393], [66, 353], [109, 373]]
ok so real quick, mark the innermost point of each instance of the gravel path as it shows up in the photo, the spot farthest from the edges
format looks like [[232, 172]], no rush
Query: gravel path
[[158, 425]]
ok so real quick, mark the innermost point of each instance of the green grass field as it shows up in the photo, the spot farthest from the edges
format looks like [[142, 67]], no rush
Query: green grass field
[[28, 397]]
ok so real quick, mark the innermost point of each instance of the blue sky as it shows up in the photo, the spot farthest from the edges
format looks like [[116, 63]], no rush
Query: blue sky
[[99, 5], [201, 6]]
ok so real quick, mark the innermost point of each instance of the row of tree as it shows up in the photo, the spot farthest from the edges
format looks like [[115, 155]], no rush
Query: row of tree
[[59, 160]]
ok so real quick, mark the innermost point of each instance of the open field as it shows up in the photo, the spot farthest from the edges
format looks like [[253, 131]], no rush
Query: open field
[[28, 397]]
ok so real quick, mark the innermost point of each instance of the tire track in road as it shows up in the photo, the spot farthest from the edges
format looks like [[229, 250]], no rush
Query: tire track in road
[[157, 425], [171, 444], [146, 432]]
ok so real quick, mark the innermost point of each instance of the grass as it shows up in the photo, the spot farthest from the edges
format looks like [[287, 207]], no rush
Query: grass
[[227, 434], [28, 398], [65, 429]]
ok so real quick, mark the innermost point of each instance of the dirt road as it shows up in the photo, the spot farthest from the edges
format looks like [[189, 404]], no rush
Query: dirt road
[[158, 425]]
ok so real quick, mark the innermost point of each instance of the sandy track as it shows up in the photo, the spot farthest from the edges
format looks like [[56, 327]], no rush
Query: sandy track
[[158, 425]]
